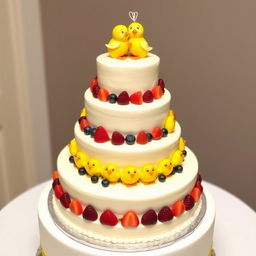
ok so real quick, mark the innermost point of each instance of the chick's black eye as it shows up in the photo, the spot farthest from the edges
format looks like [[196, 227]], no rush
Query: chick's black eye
[[129, 172], [147, 170], [138, 28], [130, 28], [122, 32], [93, 165]]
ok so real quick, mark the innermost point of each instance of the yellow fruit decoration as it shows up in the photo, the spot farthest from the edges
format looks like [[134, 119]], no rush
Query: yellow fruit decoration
[[130, 175], [169, 121], [118, 45], [165, 167], [148, 173], [177, 158], [210, 253], [83, 112], [42, 252], [111, 173], [73, 147], [182, 144], [80, 159], [93, 167], [138, 45]]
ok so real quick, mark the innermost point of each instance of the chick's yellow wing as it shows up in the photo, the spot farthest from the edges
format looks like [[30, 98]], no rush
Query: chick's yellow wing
[[113, 44], [145, 46]]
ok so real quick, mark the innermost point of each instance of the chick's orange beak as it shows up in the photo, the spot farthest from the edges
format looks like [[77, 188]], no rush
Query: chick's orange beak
[[126, 34], [134, 31], [109, 171], [132, 175]]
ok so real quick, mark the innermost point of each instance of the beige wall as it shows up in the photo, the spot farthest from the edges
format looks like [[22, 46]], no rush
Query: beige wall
[[208, 60]]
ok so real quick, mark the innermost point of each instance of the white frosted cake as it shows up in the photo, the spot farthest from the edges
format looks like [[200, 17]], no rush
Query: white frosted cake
[[127, 182]]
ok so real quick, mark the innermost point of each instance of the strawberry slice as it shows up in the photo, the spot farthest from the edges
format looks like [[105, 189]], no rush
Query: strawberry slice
[[156, 133], [95, 91], [55, 182], [93, 83], [101, 135], [157, 92], [103, 94], [117, 138], [123, 98], [58, 191], [65, 200], [148, 96], [178, 208], [130, 220], [108, 218], [149, 218], [196, 193], [165, 214], [83, 123], [142, 138], [55, 175], [76, 207], [161, 84], [189, 202], [136, 98], [90, 213], [199, 185]]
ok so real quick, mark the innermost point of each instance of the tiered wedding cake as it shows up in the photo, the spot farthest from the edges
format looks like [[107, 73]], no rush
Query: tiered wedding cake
[[127, 182]]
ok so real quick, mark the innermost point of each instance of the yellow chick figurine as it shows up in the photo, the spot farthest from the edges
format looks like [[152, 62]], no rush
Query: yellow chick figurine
[[73, 147], [118, 45], [177, 158], [111, 173], [165, 167], [130, 175], [93, 167], [138, 44], [148, 174], [169, 121], [80, 159]]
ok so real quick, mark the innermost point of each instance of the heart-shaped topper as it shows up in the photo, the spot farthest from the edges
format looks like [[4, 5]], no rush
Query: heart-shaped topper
[[133, 15]]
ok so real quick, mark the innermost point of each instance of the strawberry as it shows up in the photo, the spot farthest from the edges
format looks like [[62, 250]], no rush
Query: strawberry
[[165, 214], [142, 138], [76, 207], [95, 91], [196, 193], [199, 177], [55, 175], [83, 124], [156, 133], [55, 182], [103, 94], [81, 118], [136, 98], [148, 96], [199, 185], [108, 218], [101, 135], [65, 200], [93, 83], [90, 213], [130, 220], [58, 191], [188, 202], [161, 84], [117, 138], [157, 92], [178, 208], [149, 218], [123, 98]]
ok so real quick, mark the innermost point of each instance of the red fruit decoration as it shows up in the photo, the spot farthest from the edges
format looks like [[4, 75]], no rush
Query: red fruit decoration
[[93, 83], [130, 220], [142, 138], [117, 138], [108, 218], [83, 124], [95, 91], [90, 213], [199, 177], [65, 200], [156, 133], [136, 98], [81, 118], [149, 218], [55, 182], [178, 208], [157, 92], [196, 193], [103, 94], [199, 185], [101, 135], [123, 98], [161, 84], [58, 191], [165, 214], [76, 207], [55, 175], [189, 202], [148, 96]]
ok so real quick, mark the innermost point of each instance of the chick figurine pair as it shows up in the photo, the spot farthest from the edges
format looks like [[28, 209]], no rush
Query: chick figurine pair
[[131, 39]]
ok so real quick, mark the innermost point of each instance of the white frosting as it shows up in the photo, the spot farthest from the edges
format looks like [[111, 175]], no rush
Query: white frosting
[[125, 154], [126, 118], [120, 198], [127, 75]]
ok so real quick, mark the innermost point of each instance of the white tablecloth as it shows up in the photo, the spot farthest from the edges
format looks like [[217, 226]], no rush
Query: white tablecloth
[[234, 235]]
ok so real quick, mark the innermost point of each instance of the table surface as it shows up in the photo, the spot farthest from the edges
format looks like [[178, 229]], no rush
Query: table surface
[[234, 234]]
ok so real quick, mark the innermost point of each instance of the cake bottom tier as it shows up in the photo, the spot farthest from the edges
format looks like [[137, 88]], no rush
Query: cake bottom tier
[[56, 242]]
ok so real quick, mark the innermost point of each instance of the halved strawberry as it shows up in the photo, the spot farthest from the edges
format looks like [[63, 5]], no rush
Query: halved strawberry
[[130, 220], [199, 177], [149, 218], [55, 182], [93, 83], [156, 133], [58, 191], [142, 138], [95, 91], [199, 185], [189, 202], [76, 207], [161, 84], [157, 92], [148, 96], [65, 200], [55, 175], [123, 98], [196, 193], [83, 123], [103, 94], [117, 138], [136, 98], [108, 218], [90, 213], [165, 214], [178, 208], [101, 135]]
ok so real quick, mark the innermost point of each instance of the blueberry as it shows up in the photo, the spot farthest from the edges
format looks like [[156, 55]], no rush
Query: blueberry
[[150, 137], [82, 171], [112, 98], [93, 132], [71, 159], [88, 130], [178, 168], [105, 183], [162, 178], [130, 139], [184, 152], [164, 132], [94, 179]]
